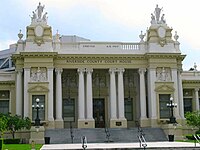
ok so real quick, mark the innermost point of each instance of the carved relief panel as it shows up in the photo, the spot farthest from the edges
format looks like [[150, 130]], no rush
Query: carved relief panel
[[163, 74], [38, 74]]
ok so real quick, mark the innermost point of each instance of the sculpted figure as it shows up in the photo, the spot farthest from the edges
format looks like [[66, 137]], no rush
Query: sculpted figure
[[162, 19], [157, 12], [40, 10], [44, 18], [153, 21]]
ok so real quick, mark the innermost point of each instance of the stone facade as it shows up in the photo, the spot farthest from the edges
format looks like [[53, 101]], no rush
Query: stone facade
[[97, 84]]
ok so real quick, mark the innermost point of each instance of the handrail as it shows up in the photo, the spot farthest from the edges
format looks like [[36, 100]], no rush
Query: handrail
[[141, 137], [197, 138], [84, 142], [107, 134], [71, 132]]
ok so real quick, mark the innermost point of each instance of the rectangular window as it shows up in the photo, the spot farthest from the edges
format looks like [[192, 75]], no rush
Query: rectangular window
[[164, 110], [69, 110], [187, 105], [4, 101], [128, 107], [41, 111]]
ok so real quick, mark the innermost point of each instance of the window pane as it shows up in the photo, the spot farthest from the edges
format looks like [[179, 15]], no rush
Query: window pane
[[164, 110], [187, 105], [41, 110], [4, 106]]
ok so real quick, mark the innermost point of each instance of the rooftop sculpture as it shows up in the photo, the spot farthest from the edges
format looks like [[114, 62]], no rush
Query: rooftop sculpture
[[38, 16], [155, 17]]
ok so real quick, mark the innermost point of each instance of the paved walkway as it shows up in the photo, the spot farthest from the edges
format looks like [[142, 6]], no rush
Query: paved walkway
[[117, 145]]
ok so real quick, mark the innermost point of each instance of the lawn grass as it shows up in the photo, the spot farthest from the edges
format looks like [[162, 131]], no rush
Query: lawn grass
[[20, 146]]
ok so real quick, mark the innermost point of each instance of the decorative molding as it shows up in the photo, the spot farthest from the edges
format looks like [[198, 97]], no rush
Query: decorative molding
[[164, 88], [38, 88]]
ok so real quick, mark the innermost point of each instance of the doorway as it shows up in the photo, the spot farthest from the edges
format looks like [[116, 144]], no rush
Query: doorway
[[99, 112]]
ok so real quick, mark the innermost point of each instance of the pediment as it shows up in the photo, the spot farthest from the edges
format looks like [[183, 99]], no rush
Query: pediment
[[38, 88], [164, 88]]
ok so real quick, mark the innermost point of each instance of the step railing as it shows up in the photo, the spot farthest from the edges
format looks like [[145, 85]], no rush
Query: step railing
[[71, 133], [141, 137], [84, 142], [197, 139], [107, 132]]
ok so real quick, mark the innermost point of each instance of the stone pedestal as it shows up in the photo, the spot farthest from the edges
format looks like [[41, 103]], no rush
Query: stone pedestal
[[171, 129], [118, 123], [59, 124], [144, 122], [86, 123], [37, 135]]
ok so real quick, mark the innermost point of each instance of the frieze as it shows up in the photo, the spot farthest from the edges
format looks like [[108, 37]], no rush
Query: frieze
[[72, 61]]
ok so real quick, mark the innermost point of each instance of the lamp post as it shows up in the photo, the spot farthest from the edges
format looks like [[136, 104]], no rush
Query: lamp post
[[171, 105], [37, 107]]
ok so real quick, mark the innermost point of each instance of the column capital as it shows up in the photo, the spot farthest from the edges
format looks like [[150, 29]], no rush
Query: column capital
[[112, 70], [120, 70], [88, 70], [19, 70], [196, 89], [142, 70], [80, 70], [58, 70], [27, 68]]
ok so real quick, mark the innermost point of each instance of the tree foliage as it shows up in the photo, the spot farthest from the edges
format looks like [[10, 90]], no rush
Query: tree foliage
[[193, 119], [3, 123], [15, 123]]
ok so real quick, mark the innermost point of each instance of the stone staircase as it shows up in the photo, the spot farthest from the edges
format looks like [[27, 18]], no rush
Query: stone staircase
[[98, 135]]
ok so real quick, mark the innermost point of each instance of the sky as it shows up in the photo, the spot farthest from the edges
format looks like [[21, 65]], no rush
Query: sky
[[106, 20]]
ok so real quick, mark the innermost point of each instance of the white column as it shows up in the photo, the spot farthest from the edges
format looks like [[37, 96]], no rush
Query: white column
[[121, 93], [197, 98], [81, 95], [180, 94], [89, 94], [113, 113], [143, 113], [19, 92], [58, 94], [27, 105], [174, 79], [50, 95], [151, 93]]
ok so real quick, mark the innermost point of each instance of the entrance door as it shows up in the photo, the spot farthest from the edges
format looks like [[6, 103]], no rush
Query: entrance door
[[99, 112]]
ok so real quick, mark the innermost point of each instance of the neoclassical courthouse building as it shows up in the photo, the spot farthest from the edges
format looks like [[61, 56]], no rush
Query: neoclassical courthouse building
[[97, 84]]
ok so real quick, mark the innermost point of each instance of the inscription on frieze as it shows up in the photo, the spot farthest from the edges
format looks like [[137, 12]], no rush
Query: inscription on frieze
[[94, 61]]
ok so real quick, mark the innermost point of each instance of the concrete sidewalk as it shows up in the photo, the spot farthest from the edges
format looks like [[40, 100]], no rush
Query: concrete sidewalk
[[150, 145]]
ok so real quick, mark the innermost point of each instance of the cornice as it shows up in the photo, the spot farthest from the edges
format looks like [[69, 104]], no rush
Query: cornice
[[165, 55], [190, 81], [99, 56]]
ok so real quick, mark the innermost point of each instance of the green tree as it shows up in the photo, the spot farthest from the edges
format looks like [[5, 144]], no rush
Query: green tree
[[16, 123], [3, 123], [193, 119]]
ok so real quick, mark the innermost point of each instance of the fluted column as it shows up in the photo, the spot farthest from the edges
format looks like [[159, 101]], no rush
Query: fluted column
[[113, 113], [121, 93], [176, 94], [58, 94], [81, 95], [152, 96], [180, 92], [26, 96], [19, 92], [197, 98], [50, 96], [143, 113], [89, 94]]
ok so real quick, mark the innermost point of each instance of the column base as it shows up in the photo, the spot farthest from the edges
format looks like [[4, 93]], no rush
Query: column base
[[118, 123], [144, 122], [59, 124], [86, 123], [51, 124], [37, 135]]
